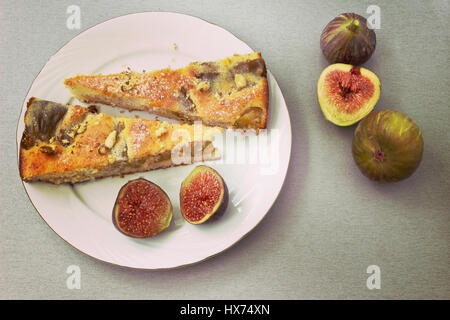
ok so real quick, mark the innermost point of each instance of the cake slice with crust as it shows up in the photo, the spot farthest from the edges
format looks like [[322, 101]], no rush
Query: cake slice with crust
[[69, 144], [231, 92]]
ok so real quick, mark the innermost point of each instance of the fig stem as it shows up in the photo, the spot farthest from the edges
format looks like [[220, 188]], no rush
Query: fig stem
[[354, 26]]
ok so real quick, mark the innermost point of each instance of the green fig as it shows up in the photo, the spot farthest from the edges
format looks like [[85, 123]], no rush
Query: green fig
[[387, 146]]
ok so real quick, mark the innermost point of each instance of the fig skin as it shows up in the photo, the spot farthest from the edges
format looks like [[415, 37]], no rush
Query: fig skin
[[347, 39], [387, 146], [347, 93], [153, 227], [219, 207]]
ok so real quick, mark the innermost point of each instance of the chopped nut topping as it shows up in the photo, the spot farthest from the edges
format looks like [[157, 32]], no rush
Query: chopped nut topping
[[102, 150], [161, 130], [71, 134], [129, 79], [240, 81], [82, 128], [48, 149], [111, 139], [203, 86]]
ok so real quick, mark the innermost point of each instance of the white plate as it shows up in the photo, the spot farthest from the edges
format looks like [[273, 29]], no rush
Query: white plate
[[81, 214]]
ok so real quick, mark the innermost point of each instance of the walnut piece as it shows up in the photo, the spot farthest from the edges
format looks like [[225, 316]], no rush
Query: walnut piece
[[82, 128], [240, 81], [102, 150], [111, 139], [161, 130], [48, 149], [203, 86]]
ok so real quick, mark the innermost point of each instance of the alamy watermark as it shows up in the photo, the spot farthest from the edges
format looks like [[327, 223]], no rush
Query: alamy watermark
[[73, 21], [73, 281], [260, 148], [374, 280], [374, 20]]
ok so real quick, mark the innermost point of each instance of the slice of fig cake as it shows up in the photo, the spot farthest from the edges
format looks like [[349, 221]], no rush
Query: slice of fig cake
[[231, 93]]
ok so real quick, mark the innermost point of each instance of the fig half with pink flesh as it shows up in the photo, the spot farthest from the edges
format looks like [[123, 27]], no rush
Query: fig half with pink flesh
[[387, 146], [142, 209], [203, 195], [347, 93], [348, 39]]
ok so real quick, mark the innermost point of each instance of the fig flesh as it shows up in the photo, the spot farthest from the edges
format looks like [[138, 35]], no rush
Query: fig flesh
[[142, 209], [203, 195], [387, 146], [348, 39], [347, 93]]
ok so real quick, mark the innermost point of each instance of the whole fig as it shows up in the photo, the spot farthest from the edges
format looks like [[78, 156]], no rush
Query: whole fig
[[387, 146], [348, 39]]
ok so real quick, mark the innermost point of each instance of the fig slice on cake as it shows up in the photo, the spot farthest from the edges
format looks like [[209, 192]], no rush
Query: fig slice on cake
[[347, 93]]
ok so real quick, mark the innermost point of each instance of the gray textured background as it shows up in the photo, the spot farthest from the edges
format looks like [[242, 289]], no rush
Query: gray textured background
[[329, 222]]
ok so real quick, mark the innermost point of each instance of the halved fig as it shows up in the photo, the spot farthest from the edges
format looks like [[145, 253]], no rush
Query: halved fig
[[203, 195], [347, 93], [142, 209]]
